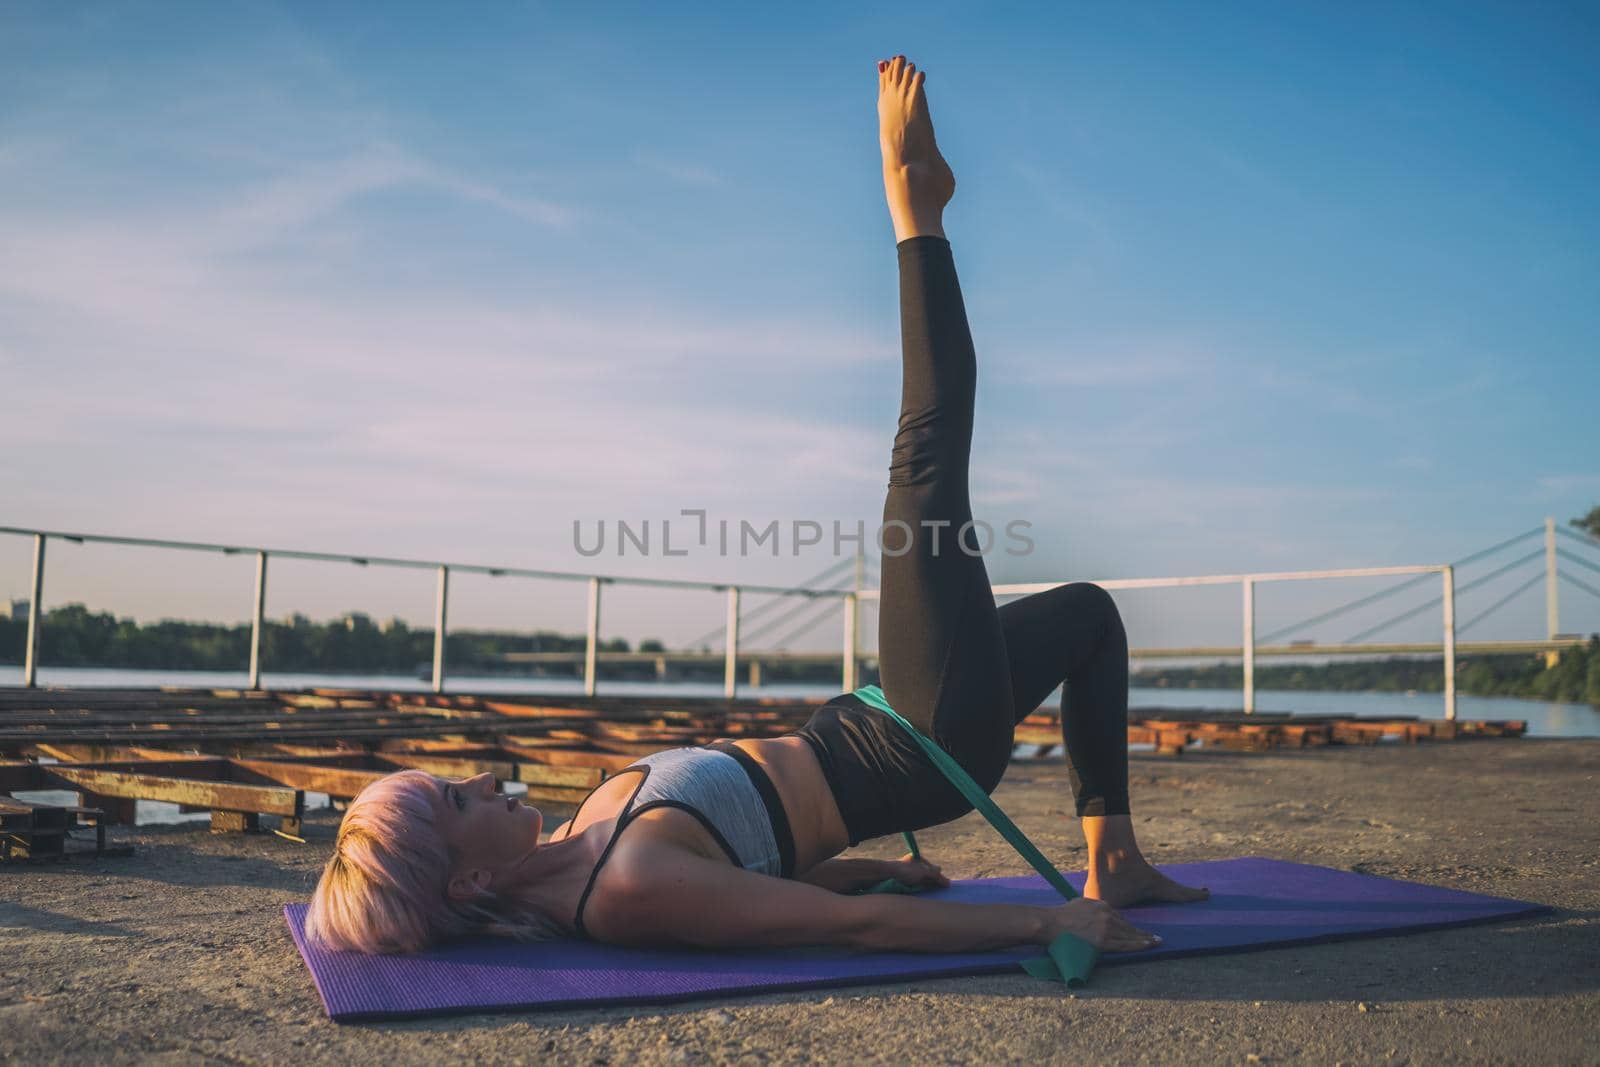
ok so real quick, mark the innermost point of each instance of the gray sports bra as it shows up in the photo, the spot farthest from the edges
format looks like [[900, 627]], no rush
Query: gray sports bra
[[722, 791]]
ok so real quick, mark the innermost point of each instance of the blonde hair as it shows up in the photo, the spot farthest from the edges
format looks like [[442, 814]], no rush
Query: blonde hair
[[384, 888]]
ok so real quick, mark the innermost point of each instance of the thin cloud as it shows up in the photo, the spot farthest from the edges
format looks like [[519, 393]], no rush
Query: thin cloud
[[1154, 362], [1067, 205], [1569, 483], [691, 174]]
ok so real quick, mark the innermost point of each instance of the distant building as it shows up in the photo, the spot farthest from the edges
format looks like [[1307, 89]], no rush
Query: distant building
[[393, 622], [356, 620], [19, 608], [296, 621]]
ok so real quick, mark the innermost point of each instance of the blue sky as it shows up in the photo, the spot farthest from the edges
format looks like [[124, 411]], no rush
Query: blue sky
[[1254, 288]]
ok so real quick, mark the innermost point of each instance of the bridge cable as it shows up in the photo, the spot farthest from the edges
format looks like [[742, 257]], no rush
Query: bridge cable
[[1529, 558], [784, 641], [1564, 554], [1325, 616], [1585, 586], [791, 635], [1363, 601], [745, 633], [780, 620], [1580, 537], [800, 608], [1502, 602], [769, 605]]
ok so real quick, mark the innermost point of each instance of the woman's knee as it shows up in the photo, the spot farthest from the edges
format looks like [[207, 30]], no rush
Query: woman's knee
[[1092, 601], [930, 446]]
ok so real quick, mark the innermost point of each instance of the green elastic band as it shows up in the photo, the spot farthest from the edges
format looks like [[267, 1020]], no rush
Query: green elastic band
[[1070, 958]]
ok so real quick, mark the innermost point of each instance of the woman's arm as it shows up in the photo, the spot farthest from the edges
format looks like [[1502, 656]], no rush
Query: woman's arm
[[849, 875], [845, 875], [657, 893]]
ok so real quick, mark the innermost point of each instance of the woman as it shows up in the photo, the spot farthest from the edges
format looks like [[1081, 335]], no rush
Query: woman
[[733, 843]]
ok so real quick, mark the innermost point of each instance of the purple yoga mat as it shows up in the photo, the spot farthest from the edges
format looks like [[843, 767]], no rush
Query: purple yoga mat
[[1255, 903]]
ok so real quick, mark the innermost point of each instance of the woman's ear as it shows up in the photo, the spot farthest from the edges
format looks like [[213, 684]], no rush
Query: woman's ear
[[467, 884]]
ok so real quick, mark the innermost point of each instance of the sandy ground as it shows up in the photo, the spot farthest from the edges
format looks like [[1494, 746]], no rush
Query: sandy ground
[[177, 955]]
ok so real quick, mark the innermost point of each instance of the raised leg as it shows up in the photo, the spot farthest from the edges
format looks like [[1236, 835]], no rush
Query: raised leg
[[941, 653], [944, 654]]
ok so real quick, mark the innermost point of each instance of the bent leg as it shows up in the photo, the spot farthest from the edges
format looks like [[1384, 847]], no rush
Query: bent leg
[[1072, 636]]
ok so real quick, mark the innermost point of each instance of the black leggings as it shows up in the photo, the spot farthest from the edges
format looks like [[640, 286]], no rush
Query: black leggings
[[963, 670]]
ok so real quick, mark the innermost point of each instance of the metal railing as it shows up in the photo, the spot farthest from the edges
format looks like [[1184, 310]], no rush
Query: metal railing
[[851, 600], [441, 608]]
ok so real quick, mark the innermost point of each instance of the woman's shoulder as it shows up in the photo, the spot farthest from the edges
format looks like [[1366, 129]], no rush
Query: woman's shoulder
[[627, 880]]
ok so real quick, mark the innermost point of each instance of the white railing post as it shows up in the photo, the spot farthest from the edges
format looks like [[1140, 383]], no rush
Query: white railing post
[[1449, 642], [30, 658], [439, 632], [1249, 646], [851, 617], [592, 648], [257, 619], [730, 679]]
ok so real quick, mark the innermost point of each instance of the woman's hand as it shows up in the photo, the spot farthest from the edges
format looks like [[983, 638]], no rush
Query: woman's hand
[[1095, 922], [915, 872]]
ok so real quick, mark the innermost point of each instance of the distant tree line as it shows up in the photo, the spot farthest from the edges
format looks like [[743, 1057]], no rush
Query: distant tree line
[[74, 636], [1575, 679]]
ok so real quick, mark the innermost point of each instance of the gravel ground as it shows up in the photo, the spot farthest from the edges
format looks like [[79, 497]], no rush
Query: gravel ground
[[178, 955]]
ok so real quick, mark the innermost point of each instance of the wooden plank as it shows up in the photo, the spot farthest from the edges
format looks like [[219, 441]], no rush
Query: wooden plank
[[453, 766], [196, 792], [1036, 735], [211, 735], [557, 794], [340, 782], [634, 749], [504, 770], [567, 757], [203, 767], [536, 774], [264, 719], [426, 745], [69, 753]]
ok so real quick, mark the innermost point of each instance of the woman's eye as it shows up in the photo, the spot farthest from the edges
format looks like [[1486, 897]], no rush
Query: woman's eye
[[461, 799]]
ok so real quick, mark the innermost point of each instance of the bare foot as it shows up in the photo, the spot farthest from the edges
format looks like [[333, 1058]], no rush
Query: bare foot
[[916, 179], [1133, 881]]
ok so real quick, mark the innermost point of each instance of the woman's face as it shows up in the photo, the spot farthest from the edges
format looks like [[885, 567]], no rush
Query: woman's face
[[490, 832]]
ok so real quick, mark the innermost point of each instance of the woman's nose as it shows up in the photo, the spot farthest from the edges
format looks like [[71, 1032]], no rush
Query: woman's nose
[[485, 781]]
